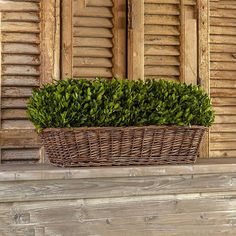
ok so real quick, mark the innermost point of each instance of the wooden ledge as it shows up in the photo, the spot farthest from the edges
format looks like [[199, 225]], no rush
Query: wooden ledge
[[48, 172]]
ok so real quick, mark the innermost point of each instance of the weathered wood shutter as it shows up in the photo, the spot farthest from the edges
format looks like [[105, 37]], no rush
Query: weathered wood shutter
[[223, 77], [20, 73], [164, 34], [26, 32], [93, 38]]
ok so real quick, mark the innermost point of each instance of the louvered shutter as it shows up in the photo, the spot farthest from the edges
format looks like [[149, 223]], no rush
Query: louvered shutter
[[223, 77], [29, 58], [20, 73], [168, 41], [93, 38]]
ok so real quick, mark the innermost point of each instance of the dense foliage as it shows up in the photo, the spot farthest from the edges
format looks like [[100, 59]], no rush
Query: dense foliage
[[78, 103]]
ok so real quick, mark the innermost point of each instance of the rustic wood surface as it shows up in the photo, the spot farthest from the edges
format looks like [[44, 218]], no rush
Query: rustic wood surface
[[196, 200], [50, 38], [204, 60], [163, 41], [136, 39], [67, 44], [222, 82], [93, 39], [21, 43], [49, 172]]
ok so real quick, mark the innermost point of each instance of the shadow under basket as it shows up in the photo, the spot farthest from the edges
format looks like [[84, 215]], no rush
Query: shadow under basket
[[118, 146]]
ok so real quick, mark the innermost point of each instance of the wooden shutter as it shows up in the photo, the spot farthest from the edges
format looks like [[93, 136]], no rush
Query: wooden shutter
[[22, 69], [168, 42], [223, 77], [20, 73], [94, 38]]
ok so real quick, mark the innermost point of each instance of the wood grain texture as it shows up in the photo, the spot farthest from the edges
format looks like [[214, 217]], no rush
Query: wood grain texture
[[31, 52], [67, 39], [189, 45], [50, 41], [119, 40], [204, 59], [93, 39], [222, 82], [186, 200], [49, 172], [21, 67], [123, 216], [162, 41], [136, 39]]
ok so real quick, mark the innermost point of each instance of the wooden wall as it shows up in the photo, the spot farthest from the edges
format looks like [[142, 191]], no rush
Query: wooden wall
[[223, 77], [197, 200]]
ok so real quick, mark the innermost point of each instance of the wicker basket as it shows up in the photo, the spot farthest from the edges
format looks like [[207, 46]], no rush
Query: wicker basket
[[112, 146]]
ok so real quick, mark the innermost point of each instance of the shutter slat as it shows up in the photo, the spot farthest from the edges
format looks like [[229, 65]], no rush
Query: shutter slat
[[20, 38], [93, 22], [13, 6], [14, 59], [19, 80], [12, 114], [162, 60], [92, 42], [92, 62]]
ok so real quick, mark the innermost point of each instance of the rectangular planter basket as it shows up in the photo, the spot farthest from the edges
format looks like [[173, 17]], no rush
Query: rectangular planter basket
[[112, 146]]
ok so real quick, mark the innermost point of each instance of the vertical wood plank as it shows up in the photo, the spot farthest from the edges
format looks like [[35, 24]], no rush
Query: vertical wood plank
[[119, 39], [204, 60], [50, 38], [191, 69], [182, 41], [50, 46], [188, 44], [136, 39], [191, 44], [67, 39]]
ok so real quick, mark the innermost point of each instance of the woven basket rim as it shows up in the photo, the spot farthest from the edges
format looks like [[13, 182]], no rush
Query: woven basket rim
[[194, 127]]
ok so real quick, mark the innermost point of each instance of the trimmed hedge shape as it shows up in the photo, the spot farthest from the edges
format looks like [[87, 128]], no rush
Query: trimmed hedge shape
[[103, 103]]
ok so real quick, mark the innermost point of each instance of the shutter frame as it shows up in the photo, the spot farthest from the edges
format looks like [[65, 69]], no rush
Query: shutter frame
[[50, 41], [67, 37], [204, 61], [136, 39]]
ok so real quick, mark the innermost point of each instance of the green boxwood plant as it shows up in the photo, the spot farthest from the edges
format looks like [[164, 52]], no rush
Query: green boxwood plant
[[100, 102]]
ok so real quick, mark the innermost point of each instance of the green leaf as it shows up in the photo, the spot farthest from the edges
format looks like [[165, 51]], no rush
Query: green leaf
[[78, 103]]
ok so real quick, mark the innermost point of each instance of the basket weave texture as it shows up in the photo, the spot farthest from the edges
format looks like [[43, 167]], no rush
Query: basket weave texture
[[112, 146]]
